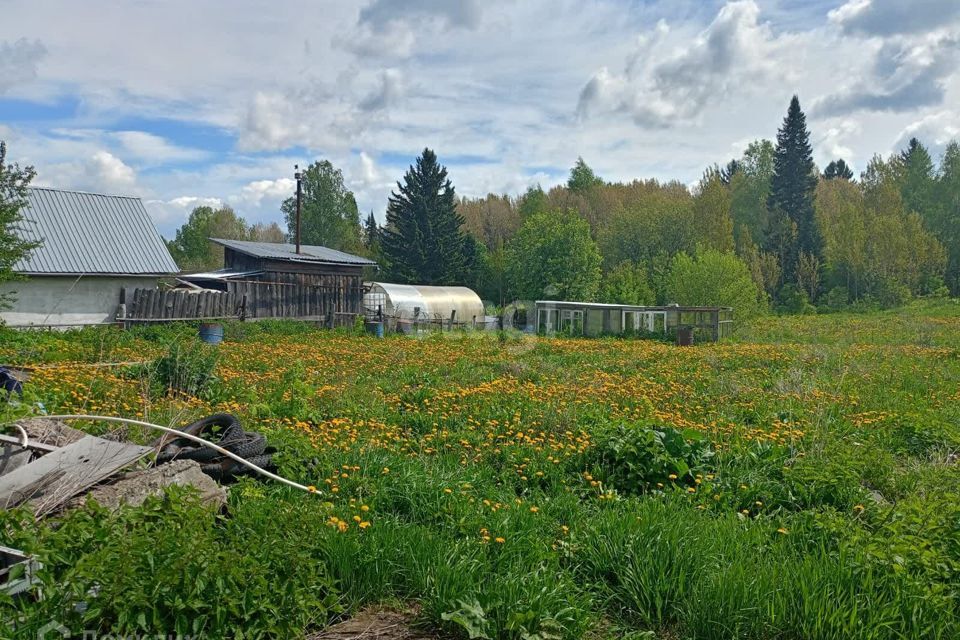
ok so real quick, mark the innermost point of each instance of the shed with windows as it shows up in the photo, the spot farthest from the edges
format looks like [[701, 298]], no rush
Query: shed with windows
[[595, 318]]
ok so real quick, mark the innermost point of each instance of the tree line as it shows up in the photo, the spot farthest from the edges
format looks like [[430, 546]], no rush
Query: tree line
[[767, 229]]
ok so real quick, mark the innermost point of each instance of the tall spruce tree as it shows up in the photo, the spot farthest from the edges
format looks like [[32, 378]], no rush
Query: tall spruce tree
[[422, 241], [371, 233], [918, 180], [792, 190]]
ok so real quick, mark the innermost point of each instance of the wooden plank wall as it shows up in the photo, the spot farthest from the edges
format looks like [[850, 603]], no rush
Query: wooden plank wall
[[335, 299], [181, 304], [297, 295]]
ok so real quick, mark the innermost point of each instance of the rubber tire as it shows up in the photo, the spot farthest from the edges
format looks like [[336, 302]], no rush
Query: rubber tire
[[189, 450], [250, 445], [227, 468]]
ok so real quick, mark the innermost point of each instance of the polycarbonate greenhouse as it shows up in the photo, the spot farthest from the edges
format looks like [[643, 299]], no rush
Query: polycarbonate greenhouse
[[408, 307]]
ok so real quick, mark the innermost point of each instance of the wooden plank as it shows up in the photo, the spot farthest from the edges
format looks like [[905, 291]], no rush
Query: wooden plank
[[58, 476], [13, 456]]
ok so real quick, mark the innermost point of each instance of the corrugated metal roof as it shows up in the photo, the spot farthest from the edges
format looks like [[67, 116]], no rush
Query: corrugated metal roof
[[308, 253], [220, 274], [89, 233]]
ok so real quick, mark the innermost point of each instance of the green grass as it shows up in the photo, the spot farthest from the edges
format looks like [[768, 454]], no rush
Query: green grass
[[512, 489]]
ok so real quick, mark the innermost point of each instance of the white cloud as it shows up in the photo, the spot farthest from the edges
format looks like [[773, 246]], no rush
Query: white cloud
[[833, 142], [906, 73], [18, 62], [492, 87], [100, 172], [169, 214], [253, 193], [935, 130], [660, 89], [155, 149], [388, 92], [888, 17], [450, 13], [110, 173]]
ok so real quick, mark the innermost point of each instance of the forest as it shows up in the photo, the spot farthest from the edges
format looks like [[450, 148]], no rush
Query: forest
[[766, 231]]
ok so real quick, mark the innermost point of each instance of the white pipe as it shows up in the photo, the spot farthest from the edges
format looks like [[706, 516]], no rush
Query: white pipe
[[193, 438], [23, 434]]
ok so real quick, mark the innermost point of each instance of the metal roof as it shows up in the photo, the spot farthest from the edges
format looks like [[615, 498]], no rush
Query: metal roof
[[279, 251], [221, 274], [89, 233]]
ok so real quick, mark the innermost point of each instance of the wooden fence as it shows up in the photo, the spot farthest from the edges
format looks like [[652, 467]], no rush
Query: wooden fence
[[245, 300], [156, 305]]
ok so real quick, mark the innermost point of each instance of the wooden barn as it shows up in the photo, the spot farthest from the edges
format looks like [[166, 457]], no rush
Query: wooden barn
[[272, 280]]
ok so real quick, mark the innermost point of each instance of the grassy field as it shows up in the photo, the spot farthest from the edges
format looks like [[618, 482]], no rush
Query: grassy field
[[799, 481]]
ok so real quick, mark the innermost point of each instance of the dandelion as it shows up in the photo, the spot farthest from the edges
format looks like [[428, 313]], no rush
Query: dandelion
[[364, 524], [672, 476], [534, 509], [782, 531], [364, 508], [499, 540]]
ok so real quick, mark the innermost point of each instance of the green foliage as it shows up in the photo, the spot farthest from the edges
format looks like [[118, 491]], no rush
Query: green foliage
[[582, 178], [173, 565], [533, 201], [711, 212], [553, 256], [712, 278], [792, 189], [329, 216], [192, 249], [635, 459], [423, 242], [838, 169], [188, 367], [626, 283], [14, 182]]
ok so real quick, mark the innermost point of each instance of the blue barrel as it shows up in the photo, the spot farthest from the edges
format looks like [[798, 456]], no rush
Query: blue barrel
[[211, 333], [374, 327]]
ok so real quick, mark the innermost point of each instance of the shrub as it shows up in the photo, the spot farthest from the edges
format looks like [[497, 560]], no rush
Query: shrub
[[634, 459], [187, 366], [713, 278]]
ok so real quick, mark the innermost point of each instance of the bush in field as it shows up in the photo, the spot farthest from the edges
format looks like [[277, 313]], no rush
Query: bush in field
[[712, 278], [633, 459], [175, 565], [187, 366]]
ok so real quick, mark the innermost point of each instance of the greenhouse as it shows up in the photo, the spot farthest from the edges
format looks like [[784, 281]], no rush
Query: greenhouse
[[594, 319], [407, 308]]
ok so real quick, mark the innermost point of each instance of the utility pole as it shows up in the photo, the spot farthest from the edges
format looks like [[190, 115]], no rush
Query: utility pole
[[299, 178]]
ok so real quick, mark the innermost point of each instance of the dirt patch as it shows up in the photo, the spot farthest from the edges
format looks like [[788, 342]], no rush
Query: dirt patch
[[375, 624]]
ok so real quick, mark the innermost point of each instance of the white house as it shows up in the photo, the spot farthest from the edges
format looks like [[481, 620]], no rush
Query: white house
[[92, 248]]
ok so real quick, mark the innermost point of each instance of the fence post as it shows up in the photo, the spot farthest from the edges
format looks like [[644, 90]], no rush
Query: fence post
[[453, 315]]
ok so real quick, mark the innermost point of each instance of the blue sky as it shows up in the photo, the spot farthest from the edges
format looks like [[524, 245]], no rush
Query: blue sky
[[187, 103]]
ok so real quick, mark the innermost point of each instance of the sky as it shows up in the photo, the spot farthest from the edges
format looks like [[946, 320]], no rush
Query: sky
[[190, 102]]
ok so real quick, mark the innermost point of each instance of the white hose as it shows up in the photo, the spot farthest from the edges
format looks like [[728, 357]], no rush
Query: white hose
[[196, 439], [23, 434]]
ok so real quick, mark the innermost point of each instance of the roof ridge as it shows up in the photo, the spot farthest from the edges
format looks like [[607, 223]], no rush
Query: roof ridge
[[86, 193]]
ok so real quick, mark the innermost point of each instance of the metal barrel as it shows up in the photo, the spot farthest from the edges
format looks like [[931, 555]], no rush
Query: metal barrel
[[374, 327], [211, 333]]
